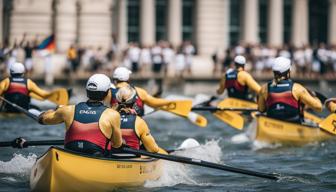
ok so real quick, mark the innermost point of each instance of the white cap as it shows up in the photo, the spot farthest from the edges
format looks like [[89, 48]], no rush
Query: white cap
[[16, 68], [239, 59], [98, 82], [281, 64], [121, 74]]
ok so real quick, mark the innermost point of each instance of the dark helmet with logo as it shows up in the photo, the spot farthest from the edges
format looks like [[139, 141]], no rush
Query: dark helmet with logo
[[97, 87]]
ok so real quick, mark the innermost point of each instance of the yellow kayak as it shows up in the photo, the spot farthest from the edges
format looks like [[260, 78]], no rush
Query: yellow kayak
[[61, 170], [237, 103], [275, 131], [4, 115]]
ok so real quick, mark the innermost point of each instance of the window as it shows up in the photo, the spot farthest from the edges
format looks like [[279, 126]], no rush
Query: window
[[161, 19], [133, 23], [235, 18], [7, 11], [318, 21], [188, 19], [263, 19], [287, 17]]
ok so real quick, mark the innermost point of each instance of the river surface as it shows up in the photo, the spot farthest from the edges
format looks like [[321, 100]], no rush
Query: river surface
[[307, 168]]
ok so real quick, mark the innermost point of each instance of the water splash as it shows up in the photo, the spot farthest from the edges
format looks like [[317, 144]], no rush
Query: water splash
[[178, 173], [258, 145], [240, 138], [19, 165]]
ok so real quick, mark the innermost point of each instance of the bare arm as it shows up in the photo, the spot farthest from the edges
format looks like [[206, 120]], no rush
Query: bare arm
[[262, 96], [150, 100], [301, 94], [32, 87], [144, 134], [221, 88]]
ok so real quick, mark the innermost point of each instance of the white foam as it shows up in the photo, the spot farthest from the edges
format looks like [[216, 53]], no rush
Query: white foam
[[178, 173], [257, 145], [19, 164], [240, 138]]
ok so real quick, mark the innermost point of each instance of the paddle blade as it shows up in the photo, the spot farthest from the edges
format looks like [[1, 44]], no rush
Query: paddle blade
[[329, 124], [58, 96], [197, 119], [231, 118], [182, 107]]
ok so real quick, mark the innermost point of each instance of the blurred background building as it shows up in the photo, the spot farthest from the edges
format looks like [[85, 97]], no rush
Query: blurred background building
[[211, 26]]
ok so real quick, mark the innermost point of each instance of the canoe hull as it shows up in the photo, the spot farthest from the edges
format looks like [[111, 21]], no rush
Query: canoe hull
[[59, 170], [275, 131]]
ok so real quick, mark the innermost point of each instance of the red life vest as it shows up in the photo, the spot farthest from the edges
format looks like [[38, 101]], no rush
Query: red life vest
[[280, 102], [85, 126], [18, 85], [17, 93], [127, 127], [235, 89]]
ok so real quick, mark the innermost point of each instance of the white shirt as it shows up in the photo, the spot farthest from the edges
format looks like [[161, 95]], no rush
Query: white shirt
[[134, 54]]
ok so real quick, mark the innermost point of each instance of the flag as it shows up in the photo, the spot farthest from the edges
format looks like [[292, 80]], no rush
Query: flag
[[48, 44]]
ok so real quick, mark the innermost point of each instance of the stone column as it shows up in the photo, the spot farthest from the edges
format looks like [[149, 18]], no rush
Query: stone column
[[251, 21], [95, 23], [122, 24], [32, 17], [275, 23], [175, 22], [147, 22], [300, 22], [332, 22], [66, 24], [212, 25]]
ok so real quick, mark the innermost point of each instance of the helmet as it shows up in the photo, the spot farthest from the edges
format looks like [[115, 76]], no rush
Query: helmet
[[126, 95], [121, 74], [239, 59], [16, 68], [97, 86], [281, 64]]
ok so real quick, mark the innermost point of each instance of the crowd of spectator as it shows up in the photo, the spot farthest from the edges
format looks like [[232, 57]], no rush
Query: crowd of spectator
[[307, 61], [164, 59], [161, 58]]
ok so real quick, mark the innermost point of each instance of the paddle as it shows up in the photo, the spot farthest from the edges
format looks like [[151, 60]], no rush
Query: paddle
[[182, 108], [186, 144], [22, 110], [329, 124], [178, 107], [213, 109], [32, 143], [201, 163], [59, 96]]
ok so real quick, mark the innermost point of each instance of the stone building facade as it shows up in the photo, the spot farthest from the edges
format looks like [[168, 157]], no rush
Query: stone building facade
[[209, 24]]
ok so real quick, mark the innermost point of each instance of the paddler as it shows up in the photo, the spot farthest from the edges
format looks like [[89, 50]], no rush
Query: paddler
[[238, 82], [90, 126], [331, 104], [17, 89], [121, 78], [282, 98], [134, 129]]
